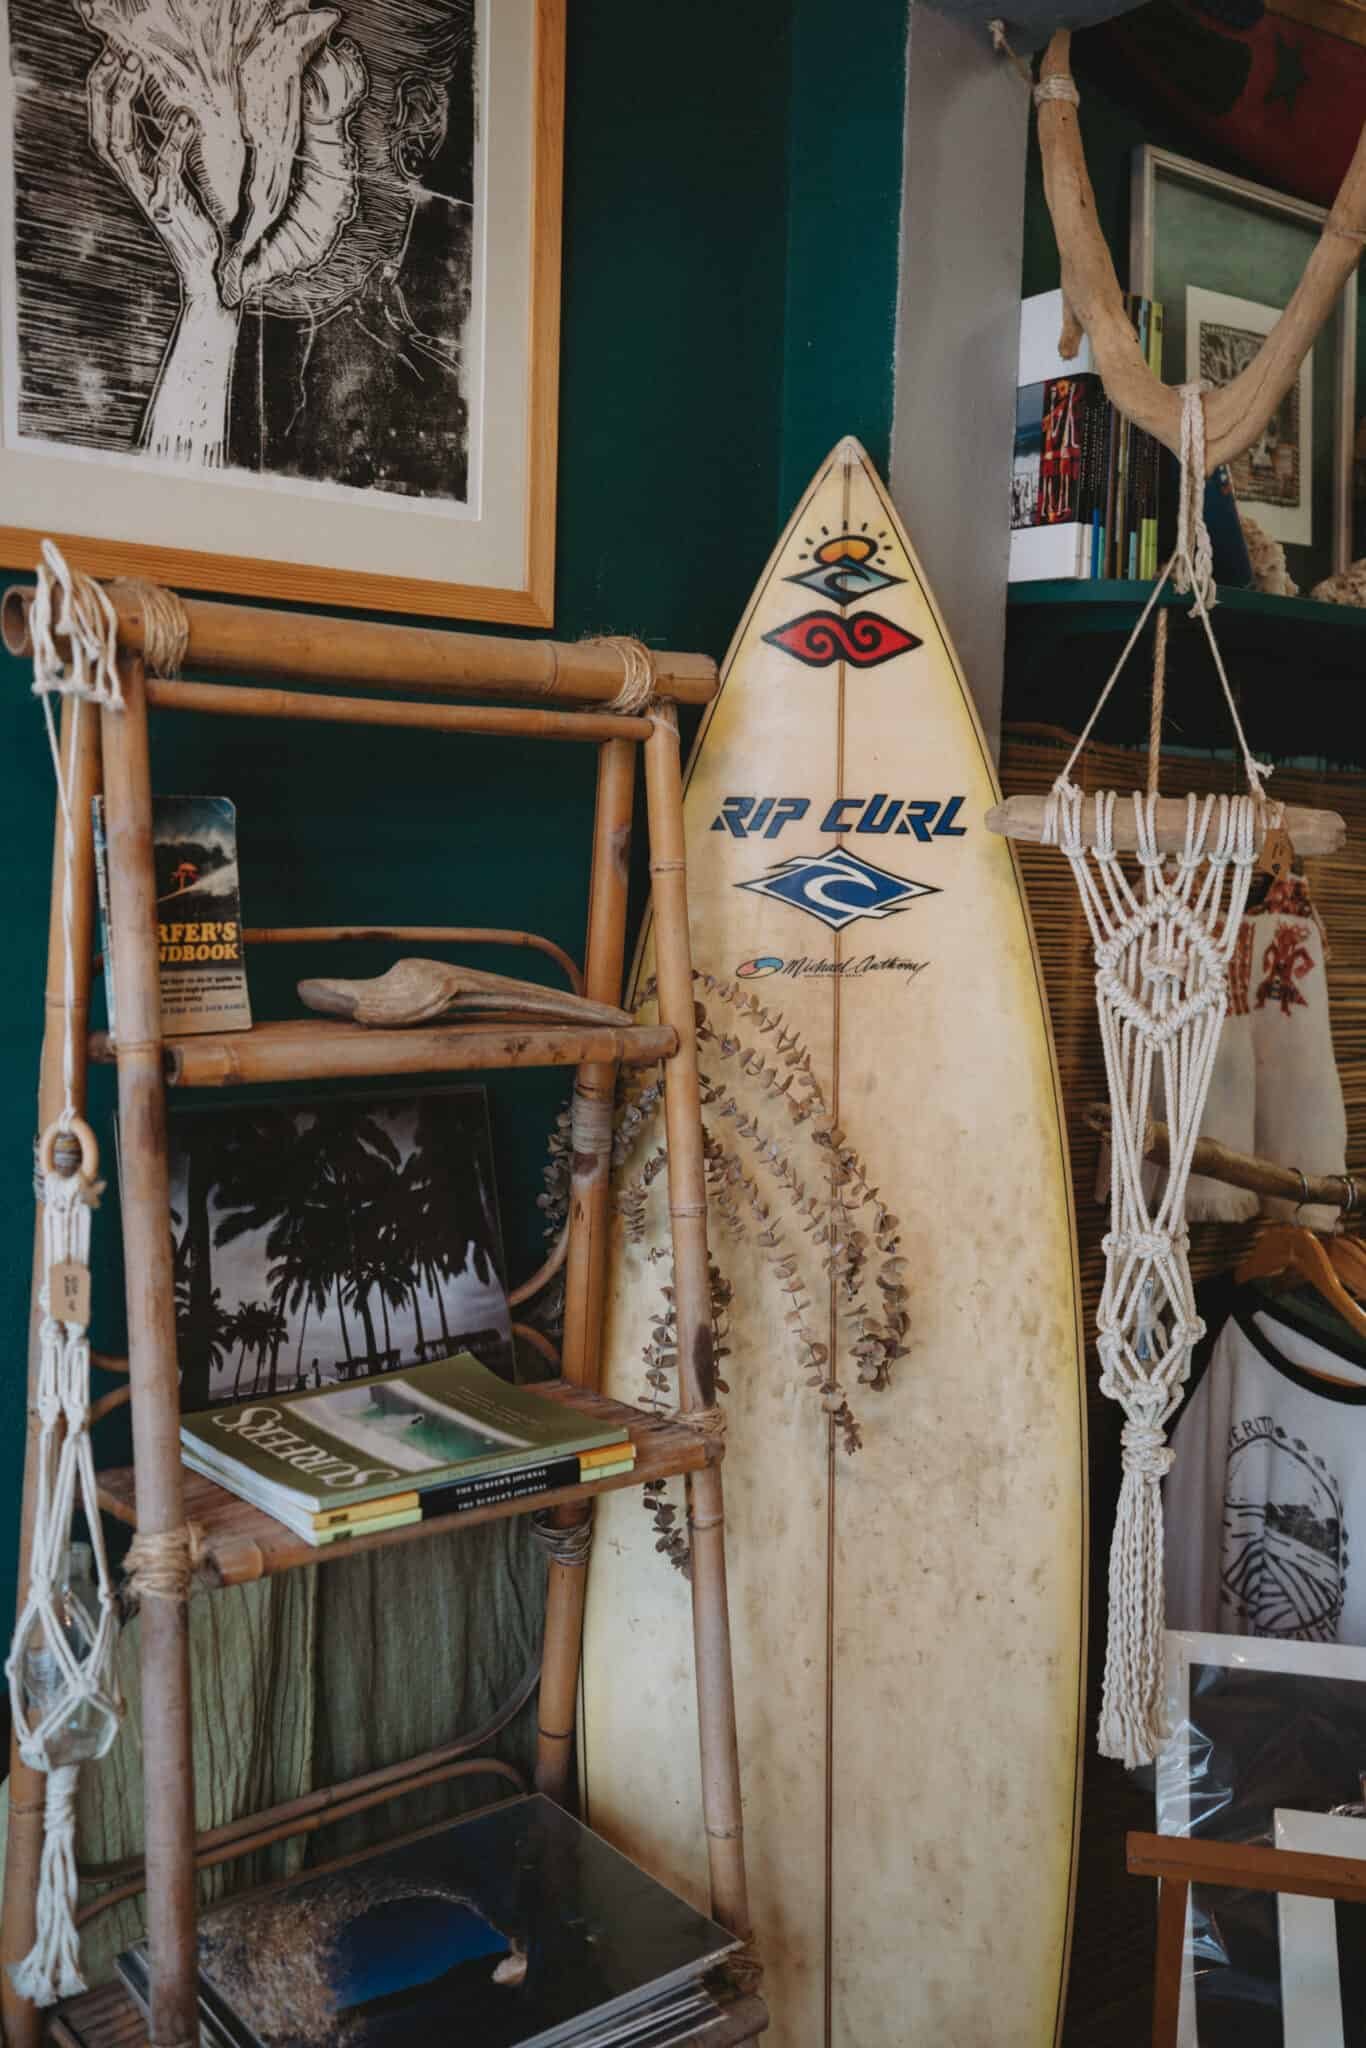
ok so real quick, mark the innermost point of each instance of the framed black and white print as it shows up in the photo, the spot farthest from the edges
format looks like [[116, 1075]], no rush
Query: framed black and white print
[[279, 296]]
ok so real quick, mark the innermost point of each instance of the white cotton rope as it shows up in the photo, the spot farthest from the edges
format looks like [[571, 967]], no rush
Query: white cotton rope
[[76, 1716], [1058, 87], [1162, 952]]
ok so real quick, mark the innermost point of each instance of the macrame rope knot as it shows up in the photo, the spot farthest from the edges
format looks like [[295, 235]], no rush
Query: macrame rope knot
[[162, 1567], [72, 607], [1146, 1451]]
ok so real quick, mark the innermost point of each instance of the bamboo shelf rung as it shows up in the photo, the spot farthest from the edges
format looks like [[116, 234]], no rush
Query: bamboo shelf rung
[[311, 1049], [242, 1543], [108, 2018]]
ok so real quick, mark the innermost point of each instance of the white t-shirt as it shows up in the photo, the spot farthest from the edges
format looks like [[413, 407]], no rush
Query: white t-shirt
[[1265, 1505]]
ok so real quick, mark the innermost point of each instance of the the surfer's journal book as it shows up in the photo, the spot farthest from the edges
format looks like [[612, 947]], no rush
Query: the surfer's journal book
[[433, 1439], [514, 1928], [199, 915]]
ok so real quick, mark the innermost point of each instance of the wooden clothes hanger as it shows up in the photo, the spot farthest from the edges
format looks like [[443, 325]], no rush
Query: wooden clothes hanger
[[1291, 1249], [1348, 1257]]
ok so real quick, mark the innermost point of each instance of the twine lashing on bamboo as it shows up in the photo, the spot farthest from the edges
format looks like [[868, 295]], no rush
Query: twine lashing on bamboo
[[567, 1546], [590, 1126], [162, 1566], [638, 673], [165, 625]]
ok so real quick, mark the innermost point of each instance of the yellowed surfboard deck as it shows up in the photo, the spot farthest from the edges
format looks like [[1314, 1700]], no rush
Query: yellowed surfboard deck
[[907, 1620]]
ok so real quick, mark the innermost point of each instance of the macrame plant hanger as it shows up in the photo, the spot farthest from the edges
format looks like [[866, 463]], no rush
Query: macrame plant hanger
[[60, 1668], [1163, 944]]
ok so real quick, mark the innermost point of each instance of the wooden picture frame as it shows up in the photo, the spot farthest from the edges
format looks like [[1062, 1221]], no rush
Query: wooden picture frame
[[124, 512], [1196, 233]]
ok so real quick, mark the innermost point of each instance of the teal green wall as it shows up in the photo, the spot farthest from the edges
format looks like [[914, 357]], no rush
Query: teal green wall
[[731, 218]]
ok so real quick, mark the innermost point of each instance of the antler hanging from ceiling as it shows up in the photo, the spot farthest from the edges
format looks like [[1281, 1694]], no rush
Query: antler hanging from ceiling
[[1236, 413]]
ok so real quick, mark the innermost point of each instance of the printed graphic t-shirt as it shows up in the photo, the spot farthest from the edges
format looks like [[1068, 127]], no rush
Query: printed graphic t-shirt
[[1266, 1500]]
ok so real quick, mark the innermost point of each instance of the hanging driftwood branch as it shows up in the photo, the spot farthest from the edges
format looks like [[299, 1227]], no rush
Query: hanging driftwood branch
[[1237, 413], [1343, 1191], [1313, 833]]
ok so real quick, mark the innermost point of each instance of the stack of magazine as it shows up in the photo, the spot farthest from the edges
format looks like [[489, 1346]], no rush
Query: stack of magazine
[[395, 1448], [513, 1928]]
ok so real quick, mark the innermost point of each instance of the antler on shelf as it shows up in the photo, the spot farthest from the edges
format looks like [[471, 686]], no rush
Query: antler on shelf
[[1236, 413]]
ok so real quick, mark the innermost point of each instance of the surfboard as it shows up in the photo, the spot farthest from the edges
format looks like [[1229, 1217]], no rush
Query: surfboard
[[907, 1619], [1278, 84]]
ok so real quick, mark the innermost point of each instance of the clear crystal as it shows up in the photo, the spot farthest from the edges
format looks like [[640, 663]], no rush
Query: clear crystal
[[82, 1735]]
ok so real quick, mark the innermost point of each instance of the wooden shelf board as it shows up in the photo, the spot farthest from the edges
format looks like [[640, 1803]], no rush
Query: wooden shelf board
[[304, 1049], [108, 2018], [244, 1544]]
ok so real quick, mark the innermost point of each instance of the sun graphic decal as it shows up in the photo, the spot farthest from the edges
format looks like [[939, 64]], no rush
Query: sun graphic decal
[[844, 566]]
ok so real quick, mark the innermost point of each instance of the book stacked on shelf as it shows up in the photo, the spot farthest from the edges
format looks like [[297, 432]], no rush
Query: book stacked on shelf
[[396, 1448], [1084, 480], [513, 1928]]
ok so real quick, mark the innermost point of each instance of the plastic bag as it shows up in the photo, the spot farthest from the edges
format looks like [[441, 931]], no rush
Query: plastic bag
[[1258, 1724]]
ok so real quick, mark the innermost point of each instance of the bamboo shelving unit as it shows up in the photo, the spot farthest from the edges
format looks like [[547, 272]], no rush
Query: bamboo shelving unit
[[242, 1544]]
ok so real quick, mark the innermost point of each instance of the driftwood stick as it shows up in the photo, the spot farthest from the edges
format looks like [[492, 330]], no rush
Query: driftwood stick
[[1313, 833], [413, 935], [421, 991], [303, 647], [1244, 1170], [1236, 413], [27, 1788]]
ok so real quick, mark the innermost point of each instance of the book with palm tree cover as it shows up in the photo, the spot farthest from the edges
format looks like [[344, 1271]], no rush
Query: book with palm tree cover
[[431, 1426], [317, 1242]]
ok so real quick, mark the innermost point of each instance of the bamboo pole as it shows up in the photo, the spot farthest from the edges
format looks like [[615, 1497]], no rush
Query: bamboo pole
[[237, 700], [300, 1049], [302, 646], [300, 1819], [1343, 1191], [27, 1788], [168, 1765], [1313, 833], [692, 1299], [595, 1088]]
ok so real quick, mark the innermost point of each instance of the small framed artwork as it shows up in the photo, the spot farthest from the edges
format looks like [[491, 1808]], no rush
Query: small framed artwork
[[279, 296], [1260, 1726], [1323, 1941], [1224, 255]]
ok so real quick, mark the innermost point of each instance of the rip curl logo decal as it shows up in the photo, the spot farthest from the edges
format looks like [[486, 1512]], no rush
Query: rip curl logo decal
[[838, 887]]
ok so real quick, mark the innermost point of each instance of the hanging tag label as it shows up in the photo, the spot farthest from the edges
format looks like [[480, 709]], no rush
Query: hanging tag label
[[1278, 853], [68, 1290]]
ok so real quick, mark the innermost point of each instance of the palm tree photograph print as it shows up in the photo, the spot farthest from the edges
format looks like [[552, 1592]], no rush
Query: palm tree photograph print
[[318, 1242]]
